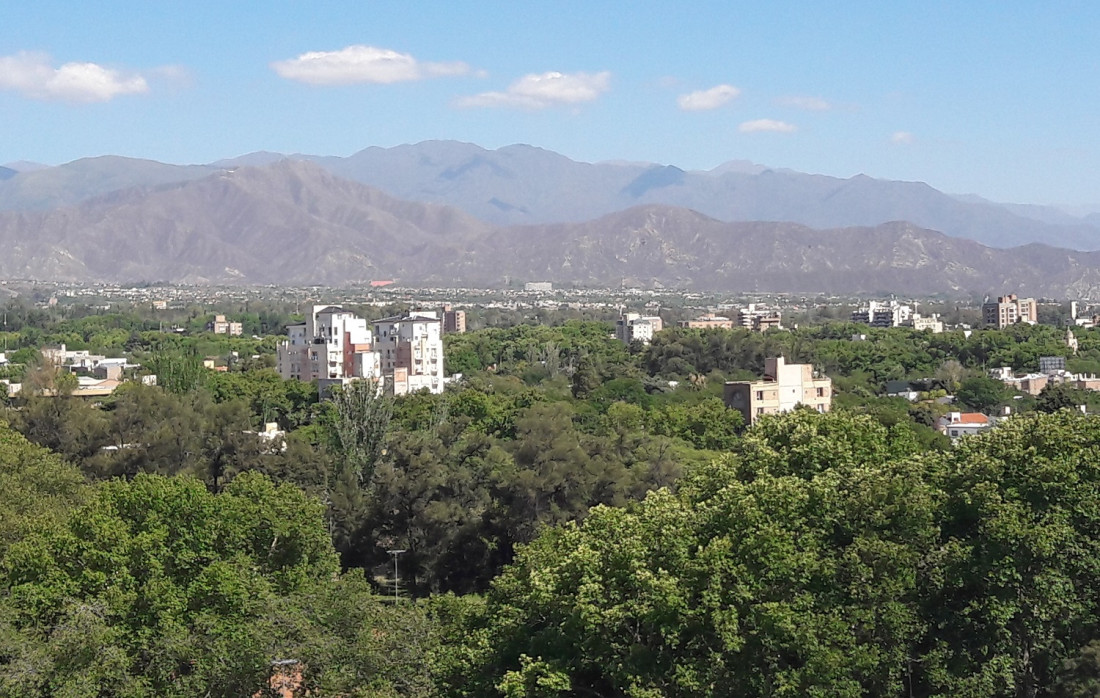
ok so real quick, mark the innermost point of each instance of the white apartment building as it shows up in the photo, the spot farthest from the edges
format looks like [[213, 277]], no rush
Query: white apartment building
[[410, 349], [632, 326], [332, 347]]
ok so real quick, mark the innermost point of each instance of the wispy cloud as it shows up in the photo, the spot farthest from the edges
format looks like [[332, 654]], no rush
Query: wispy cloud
[[805, 103], [771, 125], [33, 75], [902, 138], [538, 91], [362, 64], [713, 98]]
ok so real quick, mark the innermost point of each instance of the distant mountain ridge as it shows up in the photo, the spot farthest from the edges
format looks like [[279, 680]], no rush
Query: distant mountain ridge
[[521, 184], [294, 222]]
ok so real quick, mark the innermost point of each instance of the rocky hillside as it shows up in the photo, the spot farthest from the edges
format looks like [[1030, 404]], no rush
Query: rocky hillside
[[295, 223]]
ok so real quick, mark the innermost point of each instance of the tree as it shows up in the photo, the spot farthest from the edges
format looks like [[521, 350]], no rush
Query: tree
[[981, 392], [1080, 676], [827, 556], [362, 422], [1059, 396], [157, 587]]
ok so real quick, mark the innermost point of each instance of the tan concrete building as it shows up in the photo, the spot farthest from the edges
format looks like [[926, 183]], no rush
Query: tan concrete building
[[1008, 310], [454, 321], [219, 325], [707, 321], [785, 386]]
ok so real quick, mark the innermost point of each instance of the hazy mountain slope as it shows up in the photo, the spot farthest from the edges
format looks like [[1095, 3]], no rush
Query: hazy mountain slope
[[295, 223], [677, 247], [521, 184], [515, 184], [289, 222], [79, 180]]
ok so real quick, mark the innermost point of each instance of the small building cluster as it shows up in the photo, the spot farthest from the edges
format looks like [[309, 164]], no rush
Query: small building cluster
[[883, 314], [333, 346], [894, 314], [751, 317], [219, 325]]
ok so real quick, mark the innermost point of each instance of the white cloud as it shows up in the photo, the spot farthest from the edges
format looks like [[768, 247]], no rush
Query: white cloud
[[358, 64], [33, 75], [766, 125], [544, 90], [708, 99], [806, 103], [902, 138]]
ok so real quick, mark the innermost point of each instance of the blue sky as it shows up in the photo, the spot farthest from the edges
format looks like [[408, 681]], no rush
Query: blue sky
[[999, 99]]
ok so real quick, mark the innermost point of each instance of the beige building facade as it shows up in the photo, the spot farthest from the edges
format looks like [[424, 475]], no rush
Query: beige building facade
[[785, 386], [1008, 310]]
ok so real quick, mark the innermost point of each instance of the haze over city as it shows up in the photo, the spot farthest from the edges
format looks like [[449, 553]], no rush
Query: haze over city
[[993, 99]]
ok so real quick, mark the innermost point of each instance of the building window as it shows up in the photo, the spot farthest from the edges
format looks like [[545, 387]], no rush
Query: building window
[[821, 392], [759, 394], [759, 410]]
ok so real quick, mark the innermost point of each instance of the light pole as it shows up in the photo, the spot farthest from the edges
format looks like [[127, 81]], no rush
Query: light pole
[[395, 553]]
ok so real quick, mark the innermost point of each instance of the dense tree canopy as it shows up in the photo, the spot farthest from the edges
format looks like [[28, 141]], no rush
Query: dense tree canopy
[[826, 557]]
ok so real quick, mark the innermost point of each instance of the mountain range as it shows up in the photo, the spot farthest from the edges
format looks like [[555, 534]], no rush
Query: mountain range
[[289, 221], [521, 185]]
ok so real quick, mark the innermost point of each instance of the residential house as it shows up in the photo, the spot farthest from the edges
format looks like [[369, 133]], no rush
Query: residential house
[[959, 424]]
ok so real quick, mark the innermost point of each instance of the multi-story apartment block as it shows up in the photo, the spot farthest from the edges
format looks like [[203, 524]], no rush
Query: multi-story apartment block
[[332, 347], [785, 386], [410, 348], [632, 326], [1008, 310], [876, 314], [454, 321], [758, 319]]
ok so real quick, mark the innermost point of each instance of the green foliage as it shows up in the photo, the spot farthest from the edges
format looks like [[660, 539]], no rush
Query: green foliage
[[362, 421], [37, 489], [1059, 396], [828, 557], [982, 393]]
